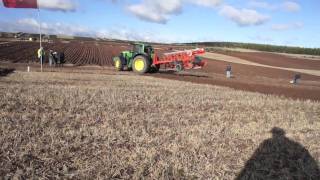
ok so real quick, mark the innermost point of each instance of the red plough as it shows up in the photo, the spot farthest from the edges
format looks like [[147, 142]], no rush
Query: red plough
[[180, 60]]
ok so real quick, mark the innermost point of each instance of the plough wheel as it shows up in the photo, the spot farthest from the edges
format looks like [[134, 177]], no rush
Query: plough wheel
[[179, 67]]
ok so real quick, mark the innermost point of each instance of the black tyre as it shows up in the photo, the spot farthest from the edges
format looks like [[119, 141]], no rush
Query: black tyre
[[179, 67], [155, 68], [141, 64]]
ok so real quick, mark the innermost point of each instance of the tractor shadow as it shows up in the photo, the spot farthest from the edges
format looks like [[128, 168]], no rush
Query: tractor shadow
[[280, 158], [180, 74], [6, 71]]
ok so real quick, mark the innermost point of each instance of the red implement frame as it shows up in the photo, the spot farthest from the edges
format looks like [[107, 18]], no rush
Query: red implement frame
[[185, 58]]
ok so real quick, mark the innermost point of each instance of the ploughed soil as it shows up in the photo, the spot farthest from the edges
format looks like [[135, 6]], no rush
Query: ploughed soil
[[242, 70], [246, 77], [251, 78], [278, 60]]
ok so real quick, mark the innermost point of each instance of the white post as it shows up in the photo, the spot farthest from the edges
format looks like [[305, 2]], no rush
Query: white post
[[41, 58], [228, 74]]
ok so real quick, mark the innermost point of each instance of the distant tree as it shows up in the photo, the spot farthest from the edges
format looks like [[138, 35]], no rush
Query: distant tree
[[262, 47]]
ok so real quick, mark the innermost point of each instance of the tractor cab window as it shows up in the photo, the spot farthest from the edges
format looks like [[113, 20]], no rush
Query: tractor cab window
[[136, 48], [139, 48], [148, 50]]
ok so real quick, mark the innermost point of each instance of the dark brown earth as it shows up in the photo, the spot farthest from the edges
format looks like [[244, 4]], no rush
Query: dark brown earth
[[246, 77], [294, 91], [254, 71], [277, 60], [252, 78], [77, 53]]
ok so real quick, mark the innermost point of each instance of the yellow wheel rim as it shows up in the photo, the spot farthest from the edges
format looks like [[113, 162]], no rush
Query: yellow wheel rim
[[139, 64], [117, 64]]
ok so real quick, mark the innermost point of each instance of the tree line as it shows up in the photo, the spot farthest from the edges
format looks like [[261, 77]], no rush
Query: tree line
[[262, 47]]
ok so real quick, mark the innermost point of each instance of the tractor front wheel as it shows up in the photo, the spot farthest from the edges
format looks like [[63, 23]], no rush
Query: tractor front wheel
[[141, 64], [118, 64]]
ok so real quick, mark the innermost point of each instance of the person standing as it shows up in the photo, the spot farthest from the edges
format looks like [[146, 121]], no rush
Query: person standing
[[296, 79], [228, 71], [62, 60], [51, 60], [41, 54], [57, 58]]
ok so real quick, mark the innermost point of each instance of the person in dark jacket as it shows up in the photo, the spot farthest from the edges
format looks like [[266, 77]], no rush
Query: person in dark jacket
[[296, 79], [62, 60]]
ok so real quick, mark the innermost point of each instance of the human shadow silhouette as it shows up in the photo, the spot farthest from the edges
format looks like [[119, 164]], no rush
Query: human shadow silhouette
[[6, 71], [175, 73], [280, 158]]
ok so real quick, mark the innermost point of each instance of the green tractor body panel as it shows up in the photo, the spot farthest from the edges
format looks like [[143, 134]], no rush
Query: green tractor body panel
[[127, 54], [127, 58]]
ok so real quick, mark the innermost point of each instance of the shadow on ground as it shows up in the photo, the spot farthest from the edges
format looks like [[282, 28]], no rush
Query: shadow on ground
[[280, 158], [6, 71], [181, 74]]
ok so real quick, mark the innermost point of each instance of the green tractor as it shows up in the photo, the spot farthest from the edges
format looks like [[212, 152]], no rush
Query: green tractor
[[139, 59]]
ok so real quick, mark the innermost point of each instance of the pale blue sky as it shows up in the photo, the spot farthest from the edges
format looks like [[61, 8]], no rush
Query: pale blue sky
[[274, 22]]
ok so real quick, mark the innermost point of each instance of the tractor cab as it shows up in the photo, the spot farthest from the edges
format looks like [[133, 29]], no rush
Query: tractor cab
[[140, 48]]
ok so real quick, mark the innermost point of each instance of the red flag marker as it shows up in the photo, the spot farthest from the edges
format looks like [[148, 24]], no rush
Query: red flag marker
[[20, 4]]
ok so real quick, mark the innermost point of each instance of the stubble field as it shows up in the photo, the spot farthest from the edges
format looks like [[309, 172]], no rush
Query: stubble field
[[88, 125]]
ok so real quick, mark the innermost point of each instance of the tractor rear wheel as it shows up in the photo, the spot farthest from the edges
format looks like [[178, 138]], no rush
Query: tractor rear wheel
[[141, 64], [118, 64]]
